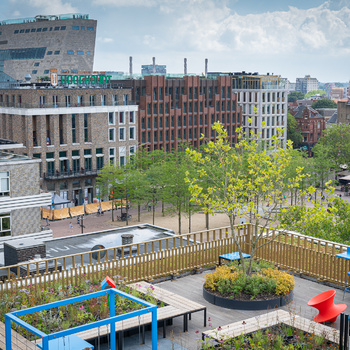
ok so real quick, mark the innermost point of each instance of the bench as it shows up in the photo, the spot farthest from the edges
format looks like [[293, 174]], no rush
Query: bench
[[175, 306], [232, 257]]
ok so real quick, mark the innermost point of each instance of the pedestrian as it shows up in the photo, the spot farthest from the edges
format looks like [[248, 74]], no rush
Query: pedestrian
[[47, 221], [78, 220], [70, 227]]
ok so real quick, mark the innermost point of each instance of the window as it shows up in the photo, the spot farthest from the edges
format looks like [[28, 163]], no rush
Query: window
[[62, 28], [44, 29], [16, 31], [4, 184], [70, 52], [103, 100], [49, 53], [121, 160], [86, 128], [132, 117], [57, 52], [38, 30], [112, 156], [21, 31], [80, 52], [34, 71], [88, 52], [132, 150], [57, 28], [5, 225], [132, 133], [121, 118], [90, 28], [111, 134], [33, 30], [121, 134], [27, 30], [99, 162], [75, 27], [74, 132], [111, 120], [92, 100], [46, 71], [36, 64]]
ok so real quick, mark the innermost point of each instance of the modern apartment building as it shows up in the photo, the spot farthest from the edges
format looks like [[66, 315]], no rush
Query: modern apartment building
[[180, 108], [306, 84], [20, 195], [263, 99], [72, 131], [35, 45]]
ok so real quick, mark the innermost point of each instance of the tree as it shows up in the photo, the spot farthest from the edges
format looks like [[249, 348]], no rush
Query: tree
[[337, 142], [324, 103], [246, 179], [295, 95], [315, 92], [293, 133]]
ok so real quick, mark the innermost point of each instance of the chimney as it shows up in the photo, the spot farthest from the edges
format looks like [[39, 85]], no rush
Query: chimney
[[130, 66], [206, 67], [185, 66], [154, 65], [127, 239]]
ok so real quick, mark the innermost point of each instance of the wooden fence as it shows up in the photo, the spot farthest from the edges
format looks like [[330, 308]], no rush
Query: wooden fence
[[175, 254]]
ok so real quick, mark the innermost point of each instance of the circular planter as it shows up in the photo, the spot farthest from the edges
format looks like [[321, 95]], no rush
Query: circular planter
[[247, 304]]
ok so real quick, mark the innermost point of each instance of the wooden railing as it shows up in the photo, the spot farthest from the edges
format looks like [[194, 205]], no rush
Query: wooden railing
[[175, 254], [149, 260]]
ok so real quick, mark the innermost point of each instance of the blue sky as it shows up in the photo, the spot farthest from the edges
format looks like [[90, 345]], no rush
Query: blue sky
[[289, 38]]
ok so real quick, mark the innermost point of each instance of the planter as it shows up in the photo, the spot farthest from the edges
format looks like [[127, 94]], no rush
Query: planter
[[247, 304]]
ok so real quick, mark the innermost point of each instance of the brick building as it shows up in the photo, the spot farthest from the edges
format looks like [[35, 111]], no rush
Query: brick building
[[343, 112], [311, 124], [175, 109], [20, 196], [36, 45], [72, 131]]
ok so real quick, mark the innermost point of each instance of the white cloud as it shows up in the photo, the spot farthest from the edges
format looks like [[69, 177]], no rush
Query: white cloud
[[49, 7], [105, 40], [126, 3]]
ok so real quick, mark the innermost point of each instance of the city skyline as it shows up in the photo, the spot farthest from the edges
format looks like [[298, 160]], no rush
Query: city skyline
[[300, 38]]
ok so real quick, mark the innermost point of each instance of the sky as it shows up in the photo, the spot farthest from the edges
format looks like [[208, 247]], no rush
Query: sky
[[289, 38]]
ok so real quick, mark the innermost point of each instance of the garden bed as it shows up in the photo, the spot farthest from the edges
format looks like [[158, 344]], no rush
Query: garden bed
[[274, 330]]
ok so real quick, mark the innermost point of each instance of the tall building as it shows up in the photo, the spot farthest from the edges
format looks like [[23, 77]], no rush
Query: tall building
[[35, 45], [264, 101], [175, 109], [71, 131], [306, 84]]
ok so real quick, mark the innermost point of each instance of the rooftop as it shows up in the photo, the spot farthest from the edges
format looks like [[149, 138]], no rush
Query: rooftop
[[11, 157], [42, 18]]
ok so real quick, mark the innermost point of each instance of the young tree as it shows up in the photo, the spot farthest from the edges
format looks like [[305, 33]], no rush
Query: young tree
[[244, 180]]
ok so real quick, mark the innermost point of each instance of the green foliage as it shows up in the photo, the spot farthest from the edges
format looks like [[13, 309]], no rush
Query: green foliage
[[315, 92], [324, 103], [241, 180], [295, 95], [293, 133]]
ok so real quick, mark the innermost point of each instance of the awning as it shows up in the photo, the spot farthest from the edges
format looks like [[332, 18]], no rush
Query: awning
[[57, 200]]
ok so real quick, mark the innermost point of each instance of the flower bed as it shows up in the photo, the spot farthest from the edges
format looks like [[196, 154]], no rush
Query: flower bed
[[73, 315], [280, 336], [266, 284]]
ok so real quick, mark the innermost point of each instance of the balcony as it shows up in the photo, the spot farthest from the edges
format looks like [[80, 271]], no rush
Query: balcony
[[65, 105], [59, 175]]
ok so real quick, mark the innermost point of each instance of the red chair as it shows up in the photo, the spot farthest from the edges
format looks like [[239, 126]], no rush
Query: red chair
[[324, 303]]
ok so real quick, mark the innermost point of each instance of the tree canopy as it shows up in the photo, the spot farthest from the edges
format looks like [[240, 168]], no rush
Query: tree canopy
[[295, 95], [293, 133], [324, 103], [315, 92]]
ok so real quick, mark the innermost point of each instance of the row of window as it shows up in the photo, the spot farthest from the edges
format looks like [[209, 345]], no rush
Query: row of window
[[23, 54], [182, 134], [122, 154], [120, 116], [71, 52], [122, 136], [39, 30], [82, 28], [265, 96]]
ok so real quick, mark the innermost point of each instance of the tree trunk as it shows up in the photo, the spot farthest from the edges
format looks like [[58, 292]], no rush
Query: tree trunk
[[162, 208], [139, 212], [207, 221], [189, 219], [153, 214], [112, 212]]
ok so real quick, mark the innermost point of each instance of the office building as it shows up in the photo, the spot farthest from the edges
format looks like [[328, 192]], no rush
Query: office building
[[180, 108], [306, 84], [263, 99], [33, 46], [71, 131]]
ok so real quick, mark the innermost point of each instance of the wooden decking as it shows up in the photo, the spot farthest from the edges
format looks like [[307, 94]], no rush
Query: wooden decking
[[18, 342], [270, 319]]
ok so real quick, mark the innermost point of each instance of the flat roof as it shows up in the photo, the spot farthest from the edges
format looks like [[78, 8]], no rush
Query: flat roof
[[12, 157]]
